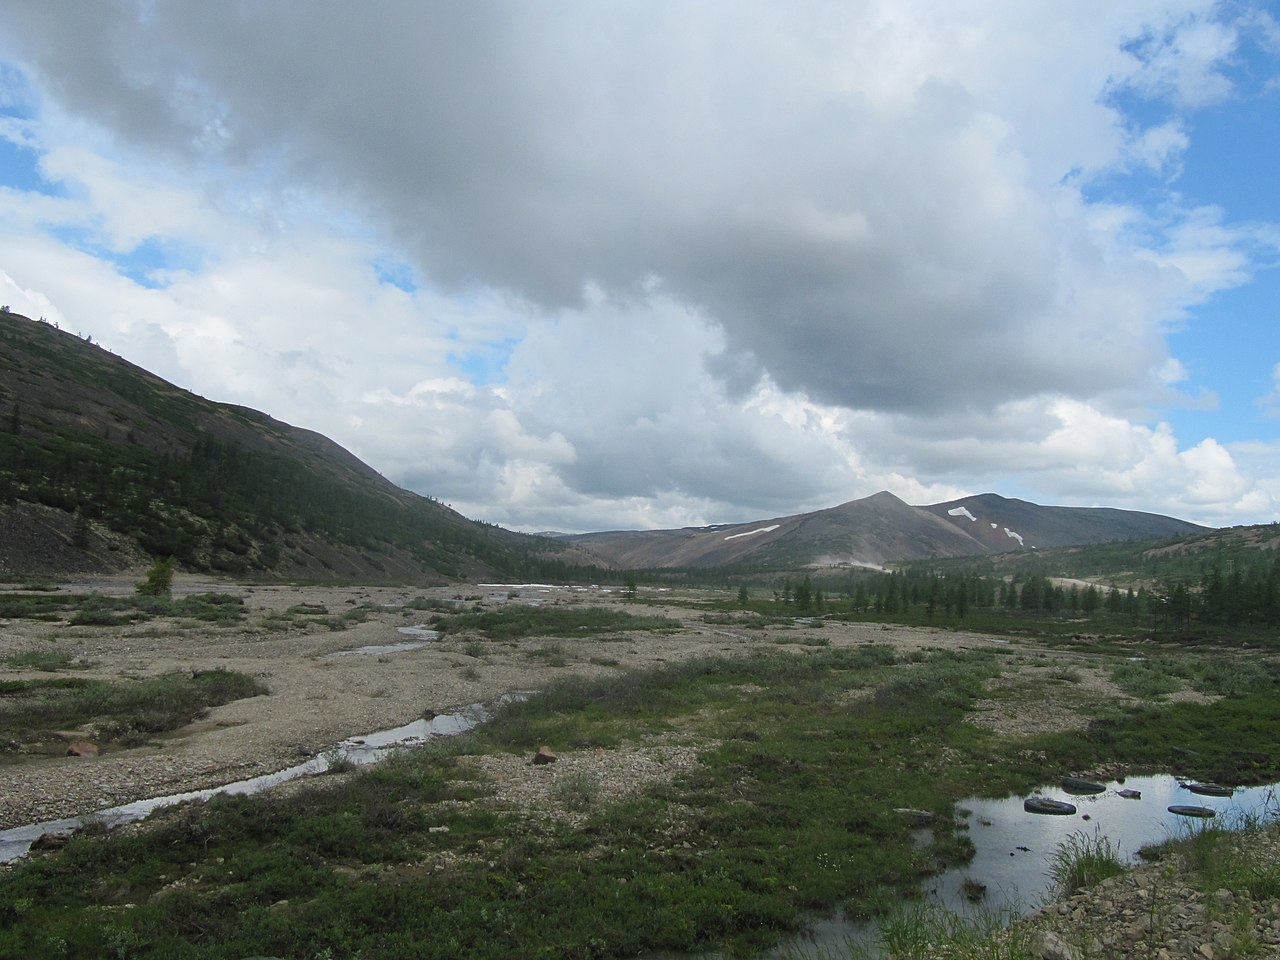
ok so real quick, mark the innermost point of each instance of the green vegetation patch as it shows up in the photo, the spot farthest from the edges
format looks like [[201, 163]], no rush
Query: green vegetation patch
[[1222, 858], [806, 757], [517, 622], [1235, 740], [49, 659], [792, 809], [126, 712], [94, 609], [1223, 676], [303, 616]]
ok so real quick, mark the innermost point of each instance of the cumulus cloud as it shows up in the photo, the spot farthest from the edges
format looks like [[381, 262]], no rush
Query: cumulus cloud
[[715, 259]]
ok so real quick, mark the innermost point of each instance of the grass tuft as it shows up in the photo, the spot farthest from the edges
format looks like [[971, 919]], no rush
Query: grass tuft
[[1084, 860]]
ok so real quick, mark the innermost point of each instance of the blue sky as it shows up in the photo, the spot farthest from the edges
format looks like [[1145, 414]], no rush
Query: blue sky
[[1231, 342], [646, 265]]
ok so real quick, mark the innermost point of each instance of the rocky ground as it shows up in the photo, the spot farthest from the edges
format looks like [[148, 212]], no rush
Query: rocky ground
[[1159, 912], [317, 699]]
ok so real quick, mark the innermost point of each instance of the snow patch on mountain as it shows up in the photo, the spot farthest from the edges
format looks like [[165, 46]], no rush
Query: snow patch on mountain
[[961, 512], [752, 533], [1014, 536]]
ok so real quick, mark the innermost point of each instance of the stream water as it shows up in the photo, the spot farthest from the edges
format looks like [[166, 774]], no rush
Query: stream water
[[421, 637], [369, 748]]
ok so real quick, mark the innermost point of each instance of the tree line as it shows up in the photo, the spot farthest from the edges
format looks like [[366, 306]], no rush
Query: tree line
[[1242, 595]]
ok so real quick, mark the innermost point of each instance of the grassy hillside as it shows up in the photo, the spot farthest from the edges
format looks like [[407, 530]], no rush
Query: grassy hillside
[[101, 460]]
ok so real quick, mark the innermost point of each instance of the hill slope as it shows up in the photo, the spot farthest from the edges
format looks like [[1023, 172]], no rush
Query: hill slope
[[103, 464], [879, 529]]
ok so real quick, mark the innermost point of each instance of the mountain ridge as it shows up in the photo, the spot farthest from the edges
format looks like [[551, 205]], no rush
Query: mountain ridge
[[879, 529], [104, 465]]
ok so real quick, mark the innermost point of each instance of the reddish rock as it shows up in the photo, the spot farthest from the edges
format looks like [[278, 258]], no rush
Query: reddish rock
[[544, 755], [51, 841], [82, 748]]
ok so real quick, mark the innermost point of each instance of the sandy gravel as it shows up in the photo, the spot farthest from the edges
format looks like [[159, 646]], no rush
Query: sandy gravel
[[318, 699]]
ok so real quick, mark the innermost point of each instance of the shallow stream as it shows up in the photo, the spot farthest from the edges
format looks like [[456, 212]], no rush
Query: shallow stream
[[421, 637], [369, 748]]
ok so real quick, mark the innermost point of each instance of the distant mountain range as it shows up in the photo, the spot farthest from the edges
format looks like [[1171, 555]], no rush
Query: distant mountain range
[[105, 466], [877, 530]]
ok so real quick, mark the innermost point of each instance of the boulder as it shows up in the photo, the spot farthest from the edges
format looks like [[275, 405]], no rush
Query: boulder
[[544, 755]]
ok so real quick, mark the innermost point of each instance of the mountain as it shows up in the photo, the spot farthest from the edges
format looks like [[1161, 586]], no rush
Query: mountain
[[1001, 523], [878, 529], [104, 465]]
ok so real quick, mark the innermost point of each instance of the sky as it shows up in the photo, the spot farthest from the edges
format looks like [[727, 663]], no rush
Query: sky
[[578, 266]]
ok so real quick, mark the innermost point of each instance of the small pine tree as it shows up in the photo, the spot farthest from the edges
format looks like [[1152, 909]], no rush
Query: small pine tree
[[159, 579]]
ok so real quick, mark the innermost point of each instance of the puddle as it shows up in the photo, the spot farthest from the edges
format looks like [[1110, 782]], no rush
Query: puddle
[[366, 749], [422, 636], [1013, 848]]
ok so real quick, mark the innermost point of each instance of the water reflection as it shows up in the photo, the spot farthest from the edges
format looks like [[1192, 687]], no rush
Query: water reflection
[[1014, 849]]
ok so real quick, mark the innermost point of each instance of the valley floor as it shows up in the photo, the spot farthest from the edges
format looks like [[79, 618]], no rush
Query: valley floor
[[317, 699]]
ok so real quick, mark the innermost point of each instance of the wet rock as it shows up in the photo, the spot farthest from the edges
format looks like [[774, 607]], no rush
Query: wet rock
[[543, 756], [916, 818]]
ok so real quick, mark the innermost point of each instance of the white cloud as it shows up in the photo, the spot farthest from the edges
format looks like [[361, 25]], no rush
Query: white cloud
[[1183, 57], [715, 266]]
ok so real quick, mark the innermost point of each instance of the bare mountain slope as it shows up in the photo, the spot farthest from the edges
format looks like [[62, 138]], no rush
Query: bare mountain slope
[[1002, 523], [876, 530]]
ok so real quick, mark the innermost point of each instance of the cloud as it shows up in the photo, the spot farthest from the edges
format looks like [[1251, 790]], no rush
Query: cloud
[[655, 262], [545, 154], [1182, 56]]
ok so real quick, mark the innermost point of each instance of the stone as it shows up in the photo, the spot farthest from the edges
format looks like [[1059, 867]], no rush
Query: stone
[[50, 841], [1049, 946], [544, 755], [916, 818]]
